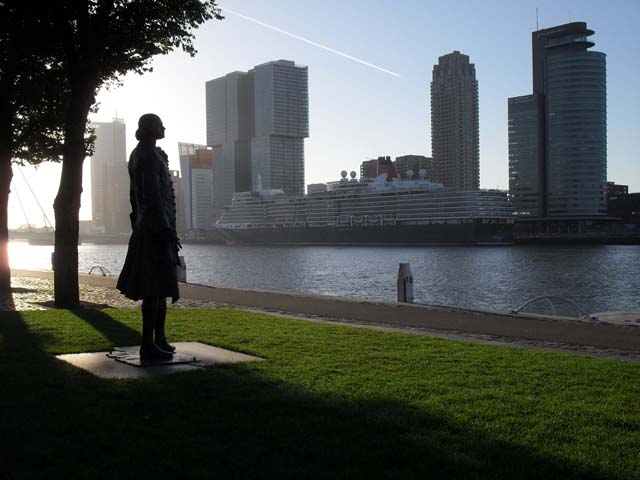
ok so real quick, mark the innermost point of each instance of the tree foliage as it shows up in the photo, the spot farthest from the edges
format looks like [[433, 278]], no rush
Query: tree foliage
[[31, 108]]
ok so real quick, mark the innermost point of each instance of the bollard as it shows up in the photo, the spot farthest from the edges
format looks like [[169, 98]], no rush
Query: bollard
[[405, 284], [181, 269]]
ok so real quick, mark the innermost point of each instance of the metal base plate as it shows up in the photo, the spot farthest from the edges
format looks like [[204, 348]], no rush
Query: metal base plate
[[132, 357]]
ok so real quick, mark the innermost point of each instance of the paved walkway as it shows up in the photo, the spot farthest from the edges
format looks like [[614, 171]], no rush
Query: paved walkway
[[34, 290], [33, 293]]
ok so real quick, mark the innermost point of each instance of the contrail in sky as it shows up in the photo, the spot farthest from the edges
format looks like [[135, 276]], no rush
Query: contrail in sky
[[310, 42]]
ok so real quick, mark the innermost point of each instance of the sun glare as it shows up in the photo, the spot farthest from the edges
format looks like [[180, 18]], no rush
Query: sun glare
[[29, 257]]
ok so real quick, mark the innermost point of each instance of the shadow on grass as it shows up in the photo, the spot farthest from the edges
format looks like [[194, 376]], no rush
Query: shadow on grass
[[116, 332], [229, 422]]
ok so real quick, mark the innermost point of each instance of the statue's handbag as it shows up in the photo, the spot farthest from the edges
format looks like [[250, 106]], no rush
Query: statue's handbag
[[181, 269]]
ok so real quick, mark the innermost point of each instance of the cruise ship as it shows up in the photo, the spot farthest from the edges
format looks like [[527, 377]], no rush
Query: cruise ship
[[380, 211]]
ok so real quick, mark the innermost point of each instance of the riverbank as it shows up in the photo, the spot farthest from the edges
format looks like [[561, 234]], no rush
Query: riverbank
[[591, 338]]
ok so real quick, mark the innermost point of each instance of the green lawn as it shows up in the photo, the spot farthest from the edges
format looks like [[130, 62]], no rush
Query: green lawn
[[329, 402]]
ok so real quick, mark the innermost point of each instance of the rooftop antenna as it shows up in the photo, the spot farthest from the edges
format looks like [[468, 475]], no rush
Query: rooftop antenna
[[537, 26]]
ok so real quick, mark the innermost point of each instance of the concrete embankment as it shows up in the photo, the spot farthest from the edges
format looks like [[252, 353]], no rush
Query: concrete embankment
[[592, 334]]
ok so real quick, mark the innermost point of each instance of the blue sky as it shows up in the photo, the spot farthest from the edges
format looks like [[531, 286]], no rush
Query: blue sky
[[357, 112]]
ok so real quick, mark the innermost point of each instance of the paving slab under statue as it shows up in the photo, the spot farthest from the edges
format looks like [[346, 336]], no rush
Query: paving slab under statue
[[124, 362]]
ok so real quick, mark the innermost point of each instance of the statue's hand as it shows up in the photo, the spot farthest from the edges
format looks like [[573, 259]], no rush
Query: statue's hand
[[173, 237]]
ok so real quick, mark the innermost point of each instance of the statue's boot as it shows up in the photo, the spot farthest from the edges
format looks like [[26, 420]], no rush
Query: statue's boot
[[161, 339], [167, 347]]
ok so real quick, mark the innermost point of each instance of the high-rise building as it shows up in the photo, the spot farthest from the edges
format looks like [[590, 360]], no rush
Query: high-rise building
[[527, 170], [202, 212], [256, 124], [369, 168], [281, 113], [110, 206], [454, 123], [558, 135], [229, 103], [196, 166], [415, 163]]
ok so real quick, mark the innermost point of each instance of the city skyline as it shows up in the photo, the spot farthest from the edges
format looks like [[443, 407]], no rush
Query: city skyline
[[372, 113]]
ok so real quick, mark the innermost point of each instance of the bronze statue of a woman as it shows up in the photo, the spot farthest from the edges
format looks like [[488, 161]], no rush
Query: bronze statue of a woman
[[149, 271]]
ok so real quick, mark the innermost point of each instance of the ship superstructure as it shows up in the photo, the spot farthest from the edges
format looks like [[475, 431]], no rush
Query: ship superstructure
[[377, 211]]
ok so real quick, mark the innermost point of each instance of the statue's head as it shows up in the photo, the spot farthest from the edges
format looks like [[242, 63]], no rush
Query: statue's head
[[150, 127]]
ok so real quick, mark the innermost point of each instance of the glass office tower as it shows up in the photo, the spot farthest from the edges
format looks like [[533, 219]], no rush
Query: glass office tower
[[558, 166]]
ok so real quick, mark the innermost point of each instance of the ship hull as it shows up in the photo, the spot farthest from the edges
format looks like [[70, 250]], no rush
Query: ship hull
[[434, 234]]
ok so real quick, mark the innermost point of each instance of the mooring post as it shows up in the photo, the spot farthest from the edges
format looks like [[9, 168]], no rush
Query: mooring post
[[405, 284]]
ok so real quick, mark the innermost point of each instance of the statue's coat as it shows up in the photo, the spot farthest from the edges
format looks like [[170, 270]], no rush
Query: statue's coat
[[150, 266]]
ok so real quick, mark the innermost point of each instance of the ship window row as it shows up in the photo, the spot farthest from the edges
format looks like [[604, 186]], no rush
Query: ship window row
[[374, 208], [324, 211], [506, 212], [394, 203], [407, 195], [423, 211], [315, 218], [506, 209], [321, 207], [361, 222]]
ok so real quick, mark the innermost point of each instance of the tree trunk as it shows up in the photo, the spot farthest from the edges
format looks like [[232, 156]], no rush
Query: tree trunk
[[67, 204], [67, 211], [6, 174]]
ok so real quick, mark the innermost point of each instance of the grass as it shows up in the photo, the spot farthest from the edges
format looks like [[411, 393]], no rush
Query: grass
[[330, 402]]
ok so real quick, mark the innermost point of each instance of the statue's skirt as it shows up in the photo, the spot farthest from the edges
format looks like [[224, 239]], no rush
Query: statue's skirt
[[150, 267]]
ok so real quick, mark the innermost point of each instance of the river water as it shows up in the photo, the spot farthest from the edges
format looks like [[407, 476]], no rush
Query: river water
[[597, 278]]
